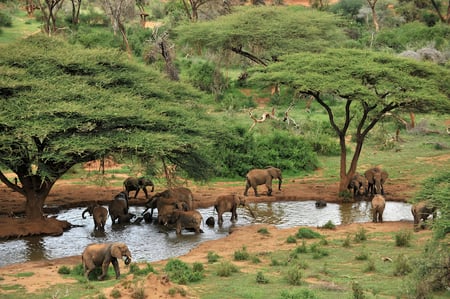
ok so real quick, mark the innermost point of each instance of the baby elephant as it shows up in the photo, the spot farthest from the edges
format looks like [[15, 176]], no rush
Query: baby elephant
[[378, 204], [228, 203], [100, 255], [186, 219], [421, 211], [100, 215]]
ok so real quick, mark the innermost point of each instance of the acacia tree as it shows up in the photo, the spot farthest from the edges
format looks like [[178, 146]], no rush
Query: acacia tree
[[78, 105], [368, 84]]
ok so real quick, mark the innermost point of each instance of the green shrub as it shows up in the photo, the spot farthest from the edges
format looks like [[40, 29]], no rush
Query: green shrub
[[318, 252], [241, 255], [358, 292], [361, 235], [226, 268], [401, 266], [346, 242], [362, 256], [256, 260], [302, 248], [263, 231], [294, 275], [115, 293], [212, 257], [298, 294], [370, 266], [291, 239], [403, 238], [197, 267], [5, 19], [260, 278], [134, 268], [329, 225], [179, 272], [306, 233], [64, 270]]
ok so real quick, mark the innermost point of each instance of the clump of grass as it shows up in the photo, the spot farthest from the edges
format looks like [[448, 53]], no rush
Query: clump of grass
[[260, 278], [255, 259], [302, 248], [25, 274], [361, 235], [294, 275], [362, 256], [291, 239], [134, 268], [370, 266], [197, 267], [181, 273], [358, 292], [346, 242], [306, 233], [329, 225], [226, 268], [298, 294], [138, 292], [212, 257], [401, 266], [263, 231], [403, 238], [64, 270], [241, 255], [318, 251], [115, 293], [175, 290]]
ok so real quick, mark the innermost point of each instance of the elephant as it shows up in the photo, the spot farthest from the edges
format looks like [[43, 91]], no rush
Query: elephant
[[228, 203], [421, 211], [265, 176], [133, 183], [185, 219], [170, 197], [99, 213], [118, 208], [358, 185], [101, 255], [376, 177], [378, 205], [321, 203]]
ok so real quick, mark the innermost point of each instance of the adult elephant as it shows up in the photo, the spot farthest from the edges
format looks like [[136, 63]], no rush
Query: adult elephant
[[256, 177], [228, 203], [99, 213], [376, 177], [118, 208], [179, 197], [185, 219], [378, 205], [101, 255], [421, 211], [136, 184]]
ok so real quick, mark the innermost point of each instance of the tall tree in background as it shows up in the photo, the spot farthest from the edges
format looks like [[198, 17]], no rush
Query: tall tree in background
[[118, 11], [49, 9], [369, 85], [78, 105]]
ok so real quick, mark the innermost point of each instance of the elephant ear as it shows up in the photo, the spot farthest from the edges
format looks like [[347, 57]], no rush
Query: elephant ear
[[117, 249]]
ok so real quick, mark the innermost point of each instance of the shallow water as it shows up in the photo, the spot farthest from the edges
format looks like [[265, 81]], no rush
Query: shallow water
[[149, 242]]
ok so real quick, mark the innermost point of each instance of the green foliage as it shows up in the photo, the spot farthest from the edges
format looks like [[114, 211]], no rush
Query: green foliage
[[402, 265], [414, 35], [361, 235], [358, 292], [206, 76], [136, 270], [115, 293], [346, 242], [329, 225], [226, 268], [348, 8], [294, 275], [5, 19], [260, 278], [403, 238], [263, 231], [291, 239], [212, 257], [298, 294], [181, 273], [362, 255], [241, 255], [370, 266], [139, 39], [64, 270], [307, 233]]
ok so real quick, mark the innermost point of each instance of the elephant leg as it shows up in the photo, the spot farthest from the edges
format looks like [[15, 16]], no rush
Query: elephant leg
[[256, 191], [178, 228], [116, 267], [105, 266], [269, 191], [233, 214], [145, 192], [246, 189], [137, 191], [219, 218]]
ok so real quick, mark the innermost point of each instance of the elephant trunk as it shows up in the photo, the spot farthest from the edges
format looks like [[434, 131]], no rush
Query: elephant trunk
[[84, 212]]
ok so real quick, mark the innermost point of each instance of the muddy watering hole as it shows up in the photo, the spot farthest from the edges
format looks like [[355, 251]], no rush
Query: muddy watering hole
[[150, 242]]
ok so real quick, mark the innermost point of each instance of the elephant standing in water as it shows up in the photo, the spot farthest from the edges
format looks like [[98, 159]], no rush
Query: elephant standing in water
[[185, 219], [101, 255], [133, 183], [421, 211], [228, 203], [378, 205], [100, 215], [358, 185], [376, 177], [265, 176], [118, 209], [168, 200]]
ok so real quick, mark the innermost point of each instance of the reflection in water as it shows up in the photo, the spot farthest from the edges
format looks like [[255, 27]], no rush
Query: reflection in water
[[149, 242]]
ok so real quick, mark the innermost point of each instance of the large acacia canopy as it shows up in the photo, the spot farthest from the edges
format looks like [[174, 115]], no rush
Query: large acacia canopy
[[62, 105]]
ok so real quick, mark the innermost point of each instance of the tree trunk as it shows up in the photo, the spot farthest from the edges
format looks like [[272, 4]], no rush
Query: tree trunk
[[35, 190], [372, 4]]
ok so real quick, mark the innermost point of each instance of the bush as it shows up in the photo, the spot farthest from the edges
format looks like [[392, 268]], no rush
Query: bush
[[291, 239], [298, 294], [260, 278], [263, 231], [241, 255], [179, 272], [306, 233], [5, 19], [226, 268], [64, 270], [294, 276], [134, 268], [329, 225], [401, 266], [212, 257], [403, 238], [360, 235]]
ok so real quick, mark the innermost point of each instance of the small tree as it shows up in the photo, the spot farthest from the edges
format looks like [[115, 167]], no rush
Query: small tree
[[368, 84]]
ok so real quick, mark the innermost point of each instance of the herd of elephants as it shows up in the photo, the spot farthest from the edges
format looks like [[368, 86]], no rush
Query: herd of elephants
[[175, 209]]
